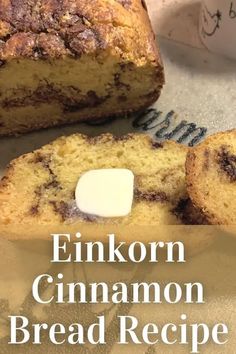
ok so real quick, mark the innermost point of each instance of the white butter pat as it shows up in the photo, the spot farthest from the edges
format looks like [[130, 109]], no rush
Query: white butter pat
[[105, 192]]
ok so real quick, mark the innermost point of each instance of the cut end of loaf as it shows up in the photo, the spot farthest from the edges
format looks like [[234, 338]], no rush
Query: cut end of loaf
[[74, 62], [69, 90]]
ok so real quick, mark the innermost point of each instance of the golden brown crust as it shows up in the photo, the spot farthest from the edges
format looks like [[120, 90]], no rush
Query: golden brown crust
[[52, 29], [211, 177]]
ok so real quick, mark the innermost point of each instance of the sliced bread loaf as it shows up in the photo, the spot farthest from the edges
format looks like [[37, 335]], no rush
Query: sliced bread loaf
[[64, 61]]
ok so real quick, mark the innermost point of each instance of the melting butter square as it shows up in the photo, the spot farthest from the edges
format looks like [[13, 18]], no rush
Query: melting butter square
[[105, 192]]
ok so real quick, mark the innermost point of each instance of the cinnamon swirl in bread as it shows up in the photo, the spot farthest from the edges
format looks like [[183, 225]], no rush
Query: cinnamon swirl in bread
[[38, 189]]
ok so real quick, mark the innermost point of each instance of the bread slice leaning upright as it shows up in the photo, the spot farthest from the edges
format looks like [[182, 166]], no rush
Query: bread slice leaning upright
[[211, 177], [37, 193]]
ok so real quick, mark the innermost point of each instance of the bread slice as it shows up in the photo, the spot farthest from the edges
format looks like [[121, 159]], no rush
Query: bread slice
[[39, 188], [70, 61], [211, 177]]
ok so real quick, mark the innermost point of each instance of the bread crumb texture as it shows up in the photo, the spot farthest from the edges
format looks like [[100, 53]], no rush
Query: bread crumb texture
[[211, 177], [39, 188]]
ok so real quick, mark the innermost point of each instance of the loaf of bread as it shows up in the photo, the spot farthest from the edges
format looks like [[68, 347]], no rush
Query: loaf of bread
[[38, 189], [211, 177], [70, 61]]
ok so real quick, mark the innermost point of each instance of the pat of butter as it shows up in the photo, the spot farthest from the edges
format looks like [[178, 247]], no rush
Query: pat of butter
[[105, 192]]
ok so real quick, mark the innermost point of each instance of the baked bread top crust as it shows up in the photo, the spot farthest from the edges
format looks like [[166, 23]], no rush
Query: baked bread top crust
[[42, 29]]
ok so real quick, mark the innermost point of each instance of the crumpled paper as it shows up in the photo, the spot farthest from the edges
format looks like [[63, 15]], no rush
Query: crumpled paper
[[177, 20]]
